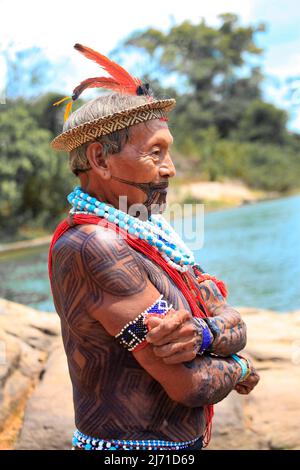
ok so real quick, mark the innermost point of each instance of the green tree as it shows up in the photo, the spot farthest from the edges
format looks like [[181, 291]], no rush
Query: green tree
[[33, 179], [210, 60], [263, 122], [48, 116]]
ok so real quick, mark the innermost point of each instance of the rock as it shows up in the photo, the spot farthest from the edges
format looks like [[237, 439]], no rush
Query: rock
[[49, 416], [26, 337], [14, 391], [32, 360], [10, 356], [15, 317], [270, 414], [268, 418]]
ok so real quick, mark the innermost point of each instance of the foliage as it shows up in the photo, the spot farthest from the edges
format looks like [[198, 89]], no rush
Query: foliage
[[32, 177], [212, 60], [261, 166], [221, 124], [263, 122]]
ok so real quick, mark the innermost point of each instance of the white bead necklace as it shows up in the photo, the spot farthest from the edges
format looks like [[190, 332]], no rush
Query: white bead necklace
[[155, 231]]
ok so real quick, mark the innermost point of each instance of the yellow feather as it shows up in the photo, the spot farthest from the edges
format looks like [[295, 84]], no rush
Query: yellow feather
[[62, 100], [68, 110]]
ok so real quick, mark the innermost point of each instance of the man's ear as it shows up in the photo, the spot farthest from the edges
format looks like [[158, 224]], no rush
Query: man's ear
[[97, 160]]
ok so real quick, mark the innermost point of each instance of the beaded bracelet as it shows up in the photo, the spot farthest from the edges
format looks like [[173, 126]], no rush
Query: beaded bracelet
[[246, 370], [134, 333], [245, 377], [207, 337]]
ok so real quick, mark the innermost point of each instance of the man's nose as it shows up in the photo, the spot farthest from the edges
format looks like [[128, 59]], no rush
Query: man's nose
[[167, 168]]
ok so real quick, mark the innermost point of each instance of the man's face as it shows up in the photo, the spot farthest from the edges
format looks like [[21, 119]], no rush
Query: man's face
[[144, 166]]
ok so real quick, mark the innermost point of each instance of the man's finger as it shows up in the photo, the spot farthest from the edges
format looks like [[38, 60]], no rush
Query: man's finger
[[247, 387], [152, 322], [183, 333], [171, 349], [243, 389], [171, 312], [168, 325], [180, 358]]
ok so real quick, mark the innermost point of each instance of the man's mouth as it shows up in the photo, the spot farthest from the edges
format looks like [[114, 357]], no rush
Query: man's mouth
[[161, 188], [148, 188]]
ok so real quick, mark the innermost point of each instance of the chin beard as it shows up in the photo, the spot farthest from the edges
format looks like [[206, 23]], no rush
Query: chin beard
[[156, 195], [157, 207], [159, 204]]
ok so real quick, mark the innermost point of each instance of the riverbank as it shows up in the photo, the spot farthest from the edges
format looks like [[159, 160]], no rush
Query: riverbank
[[9, 248], [216, 194], [212, 194], [36, 398]]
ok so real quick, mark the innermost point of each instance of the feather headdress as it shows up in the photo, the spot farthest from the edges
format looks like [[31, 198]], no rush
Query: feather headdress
[[119, 79]]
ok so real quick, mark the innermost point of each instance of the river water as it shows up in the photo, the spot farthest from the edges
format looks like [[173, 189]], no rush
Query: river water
[[254, 248]]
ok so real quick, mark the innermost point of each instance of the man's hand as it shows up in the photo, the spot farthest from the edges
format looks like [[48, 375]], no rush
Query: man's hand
[[252, 380], [179, 336], [176, 337]]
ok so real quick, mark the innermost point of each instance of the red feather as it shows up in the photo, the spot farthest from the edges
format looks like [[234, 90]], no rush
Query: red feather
[[123, 80], [120, 80], [100, 82]]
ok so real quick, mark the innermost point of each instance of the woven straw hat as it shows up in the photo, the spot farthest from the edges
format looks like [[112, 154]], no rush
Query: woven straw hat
[[89, 131]]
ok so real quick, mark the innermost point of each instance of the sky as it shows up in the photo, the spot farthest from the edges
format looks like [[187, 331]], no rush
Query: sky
[[57, 25]]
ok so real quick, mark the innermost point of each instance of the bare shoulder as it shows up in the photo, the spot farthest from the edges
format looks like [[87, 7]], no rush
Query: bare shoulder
[[111, 263], [101, 254], [76, 237], [85, 239], [106, 267]]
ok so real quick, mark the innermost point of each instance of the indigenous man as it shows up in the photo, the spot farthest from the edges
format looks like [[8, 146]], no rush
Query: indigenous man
[[150, 340]]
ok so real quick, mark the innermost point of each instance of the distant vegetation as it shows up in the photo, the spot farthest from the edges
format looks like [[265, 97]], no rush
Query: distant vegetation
[[222, 126]]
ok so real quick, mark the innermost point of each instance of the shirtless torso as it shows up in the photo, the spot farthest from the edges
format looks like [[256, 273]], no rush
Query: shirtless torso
[[114, 397]]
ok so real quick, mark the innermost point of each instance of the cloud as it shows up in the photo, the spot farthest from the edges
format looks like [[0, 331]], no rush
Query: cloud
[[57, 25]]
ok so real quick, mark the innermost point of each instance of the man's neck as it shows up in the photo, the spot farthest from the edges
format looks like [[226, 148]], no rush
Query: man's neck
[[121, 204]]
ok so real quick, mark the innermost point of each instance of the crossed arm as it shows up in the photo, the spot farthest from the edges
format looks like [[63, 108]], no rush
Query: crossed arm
[[228, 331], [123, 292], [228, 328]]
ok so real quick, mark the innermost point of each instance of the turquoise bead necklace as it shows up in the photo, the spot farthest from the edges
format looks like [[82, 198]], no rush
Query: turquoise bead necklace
[[156, 231]]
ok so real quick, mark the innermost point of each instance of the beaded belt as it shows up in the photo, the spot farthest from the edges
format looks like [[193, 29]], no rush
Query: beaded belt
[[84, 442]]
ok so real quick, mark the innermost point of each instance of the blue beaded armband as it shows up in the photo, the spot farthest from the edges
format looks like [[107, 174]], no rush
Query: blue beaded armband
[[207, 337], [135, 331]]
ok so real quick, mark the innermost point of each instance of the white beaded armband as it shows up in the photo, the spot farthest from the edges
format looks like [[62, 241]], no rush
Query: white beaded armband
[[134, 332]]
